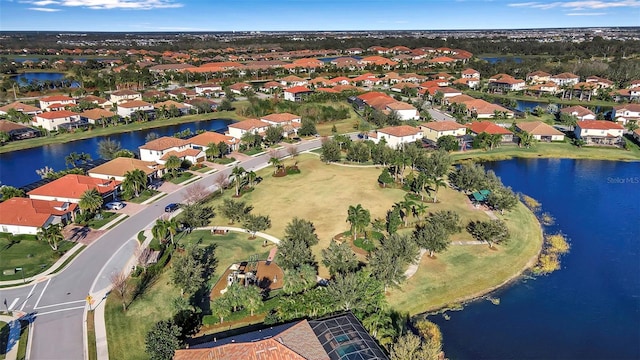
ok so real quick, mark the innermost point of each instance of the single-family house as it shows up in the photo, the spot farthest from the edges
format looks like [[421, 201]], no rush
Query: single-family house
[[502, 82], [52, 120], [182, 92], [97, 116], [470, 74], [169, 105], [580, 112], [405, 111], [118, 168], [239, 88], [293, 80], [27, 216], [101, 102], [599, 132], [490, 128], [602, 83], [542, 88], [626, 113], [210, 89], [121, 96], [254, 126], [20, 107], [563, 79], [52, 103], [126, 109], [540, 131], [70, 188], [537, 77], [202, 141], [17, 131], [160, 149], [396, 136], [436, 129], [472, 83], [296, 93], [481, 109]]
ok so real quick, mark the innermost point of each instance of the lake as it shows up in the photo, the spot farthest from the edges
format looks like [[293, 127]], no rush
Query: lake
[[591, 308], [31, 77], [18, 168], [497, 59]]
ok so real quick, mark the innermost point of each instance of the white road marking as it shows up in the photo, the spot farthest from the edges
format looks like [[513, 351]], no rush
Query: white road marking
[[57, 311], [42, 293], [60, 304], [28, 297], [13, 303]]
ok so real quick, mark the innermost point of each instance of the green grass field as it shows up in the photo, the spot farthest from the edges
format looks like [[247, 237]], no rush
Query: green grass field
[[144, 196], [184, 176], [4, 337], [31, 255]]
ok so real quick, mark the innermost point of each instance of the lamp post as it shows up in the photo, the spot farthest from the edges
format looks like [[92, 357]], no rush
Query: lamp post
[[22, 272]]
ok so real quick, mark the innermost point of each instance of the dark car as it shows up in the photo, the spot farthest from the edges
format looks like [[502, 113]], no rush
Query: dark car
[[171, 207]]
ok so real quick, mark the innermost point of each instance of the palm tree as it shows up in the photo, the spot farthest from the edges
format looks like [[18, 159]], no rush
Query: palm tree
[[172, 226], [72, 159], [172, 164], [419, 209], [251, 177], [212, 151], [526, 139], [437, 183], [276, 164], [52, 234], [90, 201], [134, 181], [159, 230], [405, 206], [237, 174], [359, 218]]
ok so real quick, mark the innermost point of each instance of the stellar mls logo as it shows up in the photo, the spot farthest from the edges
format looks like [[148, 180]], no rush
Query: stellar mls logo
[[624, 180]]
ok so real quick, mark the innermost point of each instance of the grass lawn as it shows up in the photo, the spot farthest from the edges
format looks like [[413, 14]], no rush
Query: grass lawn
[[24, 340], [203, 169], [4, 337], [126, 331], [31, 255], [144, 196], [224, 160], [551, 150], [343, 126], [321, 194], [107, 216], [91, 336], [182, 177], [466, 271], [253, 151]]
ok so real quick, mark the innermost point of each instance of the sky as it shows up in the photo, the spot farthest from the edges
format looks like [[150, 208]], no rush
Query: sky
[[280, 15]]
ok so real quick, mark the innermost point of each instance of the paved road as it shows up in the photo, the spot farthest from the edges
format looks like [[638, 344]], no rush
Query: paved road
[[58, 302], [438, 115]]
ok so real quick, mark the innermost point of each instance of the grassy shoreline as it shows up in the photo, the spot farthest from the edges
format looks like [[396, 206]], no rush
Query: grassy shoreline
[[99, 131], [550, 151], [544, 100]]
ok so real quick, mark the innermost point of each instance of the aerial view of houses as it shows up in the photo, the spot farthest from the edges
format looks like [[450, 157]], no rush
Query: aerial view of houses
[[173, 191]]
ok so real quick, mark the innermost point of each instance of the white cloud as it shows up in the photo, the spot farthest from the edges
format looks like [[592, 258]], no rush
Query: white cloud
[[109, 4], [586, 14], [43, 9], [578, 5]]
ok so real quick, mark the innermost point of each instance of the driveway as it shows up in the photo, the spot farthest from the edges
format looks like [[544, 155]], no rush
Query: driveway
[[81, 234], [438, 115], [130, 208]]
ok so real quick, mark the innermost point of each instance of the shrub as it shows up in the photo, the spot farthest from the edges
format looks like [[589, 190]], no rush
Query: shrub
[[210, 320]]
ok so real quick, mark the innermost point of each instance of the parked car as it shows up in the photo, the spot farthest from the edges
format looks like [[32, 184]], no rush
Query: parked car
[[171, 207], [114, 205]]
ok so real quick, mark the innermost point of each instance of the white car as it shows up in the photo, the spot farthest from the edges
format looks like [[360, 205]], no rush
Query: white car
[[115, 205]]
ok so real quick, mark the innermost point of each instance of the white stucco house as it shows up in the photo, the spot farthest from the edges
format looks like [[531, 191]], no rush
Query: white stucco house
[[51, 120], [125, 109], [160, 149], [396, 136]]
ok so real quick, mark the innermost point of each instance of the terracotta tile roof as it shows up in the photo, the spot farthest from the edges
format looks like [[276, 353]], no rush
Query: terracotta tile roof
[[164, 143], [72, 186], [341, 88], [599, 125], [629, 107], [134, 104], [292, 78], [31, 212], [209, 137], [341, 79], [125, 92], [119, 167], [282, 117], [50, 115], [181, 154], [538, 74], [443, 125], [470, 72], [372, 95], [400, 131], [381, 102], [441, 59], [328, 90], [97, 114], [579, 110], [480, 106], [249, 124], [56, 98], [18, 106], [487, 127], [298, 89], [399, 105], [94, 99], [460, 99], [168, 104], [272, 84], [240, 86], [7, 126], [268, 349], [538, 128], [566, 76]]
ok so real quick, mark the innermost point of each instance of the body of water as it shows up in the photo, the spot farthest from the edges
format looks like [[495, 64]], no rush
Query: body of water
[[35, 77], [330, 59], [497, 59], [18, 168], [591, 308]]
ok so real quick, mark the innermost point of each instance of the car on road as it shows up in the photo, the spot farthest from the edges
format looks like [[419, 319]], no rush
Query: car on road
[[114, 205], [171, 207]]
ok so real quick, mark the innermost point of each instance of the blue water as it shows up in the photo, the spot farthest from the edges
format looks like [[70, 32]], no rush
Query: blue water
[[18, 168], [493, 60], [329, 59], [29, 77], [591, 308]]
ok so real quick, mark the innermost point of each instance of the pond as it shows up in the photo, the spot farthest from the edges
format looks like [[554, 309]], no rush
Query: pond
[[497, 59], [591, 308], [40, 77]]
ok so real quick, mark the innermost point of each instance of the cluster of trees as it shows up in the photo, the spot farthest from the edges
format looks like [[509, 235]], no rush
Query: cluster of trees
[[470, 177], [239, 211], [237, 297]]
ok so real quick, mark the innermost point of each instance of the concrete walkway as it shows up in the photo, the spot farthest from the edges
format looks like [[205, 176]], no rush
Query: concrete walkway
[[11, 352]]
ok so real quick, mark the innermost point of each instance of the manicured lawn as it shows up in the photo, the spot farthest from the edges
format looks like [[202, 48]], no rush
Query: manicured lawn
[[320, 193], [91, 336], [144, 196], [24, 340], [547, 100], [343, 126], [204, 169], [253, 151], [4, 337], [107, 217], [224, 160], [551, 150], [31, 255], [466, 271], [182, 177], [126, 331]]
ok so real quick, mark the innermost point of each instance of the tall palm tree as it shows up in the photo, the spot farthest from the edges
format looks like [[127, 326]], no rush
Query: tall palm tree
[[172, 164], [437, 183], [213, 151], [172, 226], [405, 206], [90, 201], [526, 139], [237, 174], [52, 235], [419, 209], [72, 159], [251, 177], [135, 181], [359, 218], [276, 164], [160, 230]]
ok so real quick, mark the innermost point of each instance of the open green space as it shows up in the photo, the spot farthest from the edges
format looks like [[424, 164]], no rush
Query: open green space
[[24, 340], [126, 331], [552, 150], [144, 196], [24, 251], [343, 126]]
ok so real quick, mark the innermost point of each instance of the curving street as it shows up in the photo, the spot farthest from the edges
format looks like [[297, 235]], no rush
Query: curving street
[[58, 302]]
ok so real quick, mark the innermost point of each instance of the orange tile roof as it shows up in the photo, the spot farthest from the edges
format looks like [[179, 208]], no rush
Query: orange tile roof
[[181, 154], [168, 104], [328, 90], [6, 126], [249, 124], [443, 125], [18, 106], [163, 143], [470, 71], [538, 128], [600, 125], [282, 117], [372, 95], [72, 186], [487, 127], [268, 349], [121, 165], [134, 104], [340, 88], [50, 115], [125, 92], [56, 98], [579, 110], [400, 131], [96, 114], [442, 59], [399, 105], [630, 107], [298, 89], [209, 137], [31, 212]]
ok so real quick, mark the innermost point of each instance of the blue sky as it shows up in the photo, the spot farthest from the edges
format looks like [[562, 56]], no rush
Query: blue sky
[[266, 15]]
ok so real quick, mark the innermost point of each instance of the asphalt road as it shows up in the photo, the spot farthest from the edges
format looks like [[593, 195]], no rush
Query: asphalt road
[[57, 303]]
